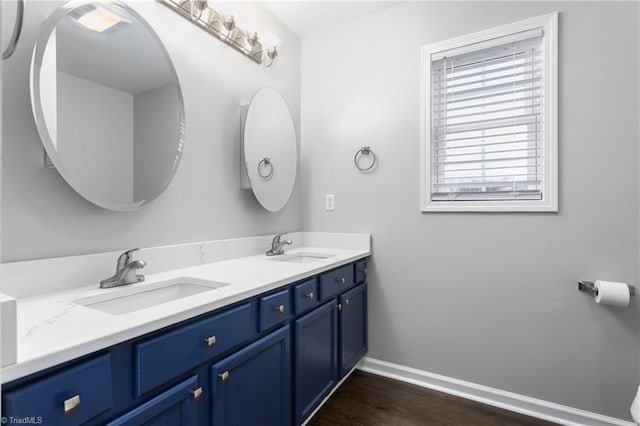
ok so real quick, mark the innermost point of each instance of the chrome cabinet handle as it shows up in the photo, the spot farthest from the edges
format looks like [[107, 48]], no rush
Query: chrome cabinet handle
[[210, 341], [224, 377], [17, 30], [342, 280], [197, 394], [346, 301], [280, 309], [310, 296], [72, 405]]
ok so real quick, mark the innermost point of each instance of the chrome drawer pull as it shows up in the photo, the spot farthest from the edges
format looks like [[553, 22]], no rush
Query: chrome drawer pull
[[339, 306], [280, 309], [342, 280], [210, 341], [346, 301], [72, 405], [310, 296], [197, 393], [224, 377]]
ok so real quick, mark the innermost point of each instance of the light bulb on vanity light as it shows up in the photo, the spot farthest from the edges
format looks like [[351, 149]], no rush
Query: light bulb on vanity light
[[229, 22], [197, 7], [252, 38], [271, 41], [272, 52], [254, 48], [228, 26]]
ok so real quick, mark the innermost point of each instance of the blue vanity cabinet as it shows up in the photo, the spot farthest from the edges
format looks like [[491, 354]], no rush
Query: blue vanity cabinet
[[269, 359], [352, 320], [253, 386], [175, 407], [330, 340], [315, 358]]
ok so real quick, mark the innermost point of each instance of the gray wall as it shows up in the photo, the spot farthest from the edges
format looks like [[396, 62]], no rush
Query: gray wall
[[487, 298], [95, 136], [43, 217], [152, 126]]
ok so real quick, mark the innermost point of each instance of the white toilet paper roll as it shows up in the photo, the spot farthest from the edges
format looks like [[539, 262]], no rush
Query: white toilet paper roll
[[612, 293]]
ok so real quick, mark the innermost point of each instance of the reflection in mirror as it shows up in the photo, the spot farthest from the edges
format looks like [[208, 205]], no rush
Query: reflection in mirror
[[107, 103], [269, 152]]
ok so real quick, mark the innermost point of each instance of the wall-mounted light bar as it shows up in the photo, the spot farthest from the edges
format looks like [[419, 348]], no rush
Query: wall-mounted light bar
[[224, 28]]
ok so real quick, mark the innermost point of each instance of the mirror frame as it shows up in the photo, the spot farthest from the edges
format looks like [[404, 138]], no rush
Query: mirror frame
[[48, 27]]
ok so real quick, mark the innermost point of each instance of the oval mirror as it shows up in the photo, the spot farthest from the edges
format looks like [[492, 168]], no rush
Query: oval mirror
[[107, 103], [270, 149]]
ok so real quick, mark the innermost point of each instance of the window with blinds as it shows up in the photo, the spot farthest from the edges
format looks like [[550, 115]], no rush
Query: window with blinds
[[487, 119]]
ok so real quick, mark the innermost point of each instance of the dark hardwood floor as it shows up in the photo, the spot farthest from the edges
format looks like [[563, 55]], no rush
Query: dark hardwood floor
[[371, 400]]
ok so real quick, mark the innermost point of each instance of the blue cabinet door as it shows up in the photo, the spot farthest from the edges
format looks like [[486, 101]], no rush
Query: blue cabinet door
[[315, 359], [253, 386], [175, 407], [353, 327]]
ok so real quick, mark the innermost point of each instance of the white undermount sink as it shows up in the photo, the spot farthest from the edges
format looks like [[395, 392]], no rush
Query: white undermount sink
[[140, 296], [302, 257]]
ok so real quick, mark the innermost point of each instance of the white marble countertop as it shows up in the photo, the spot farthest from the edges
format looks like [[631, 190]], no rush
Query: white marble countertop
[[53, 329]]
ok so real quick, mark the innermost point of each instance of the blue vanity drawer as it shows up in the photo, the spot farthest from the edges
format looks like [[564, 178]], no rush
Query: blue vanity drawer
[[165, 357], [72, 397], [274, 309], [333, 282], [360, 271], [305, 295]]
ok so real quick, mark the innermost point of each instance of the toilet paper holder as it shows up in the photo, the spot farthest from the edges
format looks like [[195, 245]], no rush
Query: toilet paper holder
[[589, 287]]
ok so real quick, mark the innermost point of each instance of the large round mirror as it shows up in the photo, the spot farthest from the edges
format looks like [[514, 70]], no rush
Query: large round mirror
[[270, 149], [107, 103]]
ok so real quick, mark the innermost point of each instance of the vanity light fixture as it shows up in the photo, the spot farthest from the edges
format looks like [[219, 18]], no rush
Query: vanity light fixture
[[225, 28], [99, 18]]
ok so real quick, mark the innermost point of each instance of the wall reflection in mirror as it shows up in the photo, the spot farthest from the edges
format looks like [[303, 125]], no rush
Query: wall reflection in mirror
[[107, 103]]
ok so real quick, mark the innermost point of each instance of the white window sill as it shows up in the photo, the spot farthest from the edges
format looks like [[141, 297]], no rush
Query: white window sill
[[490, 206]]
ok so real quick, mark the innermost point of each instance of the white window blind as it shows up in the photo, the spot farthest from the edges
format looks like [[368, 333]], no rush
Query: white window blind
[[487, 125]]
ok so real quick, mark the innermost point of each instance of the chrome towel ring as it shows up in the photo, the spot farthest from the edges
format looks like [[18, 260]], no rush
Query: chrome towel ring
[[263, 164], [16, 31], [365, 150]]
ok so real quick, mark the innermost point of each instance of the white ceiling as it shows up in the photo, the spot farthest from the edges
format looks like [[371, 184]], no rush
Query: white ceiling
[[128, 59], [308, 17]]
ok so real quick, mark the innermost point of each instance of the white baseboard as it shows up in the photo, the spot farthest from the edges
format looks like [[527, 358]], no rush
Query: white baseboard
[[533, 407]]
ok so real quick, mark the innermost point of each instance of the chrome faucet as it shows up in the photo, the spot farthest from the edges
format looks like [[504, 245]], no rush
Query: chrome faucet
[[125, 271], [277, 246]]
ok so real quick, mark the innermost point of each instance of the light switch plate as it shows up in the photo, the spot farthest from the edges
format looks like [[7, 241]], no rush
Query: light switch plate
[[330, 202]]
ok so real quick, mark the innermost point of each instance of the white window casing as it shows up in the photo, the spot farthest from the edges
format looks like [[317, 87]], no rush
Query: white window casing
[[489, 120]]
